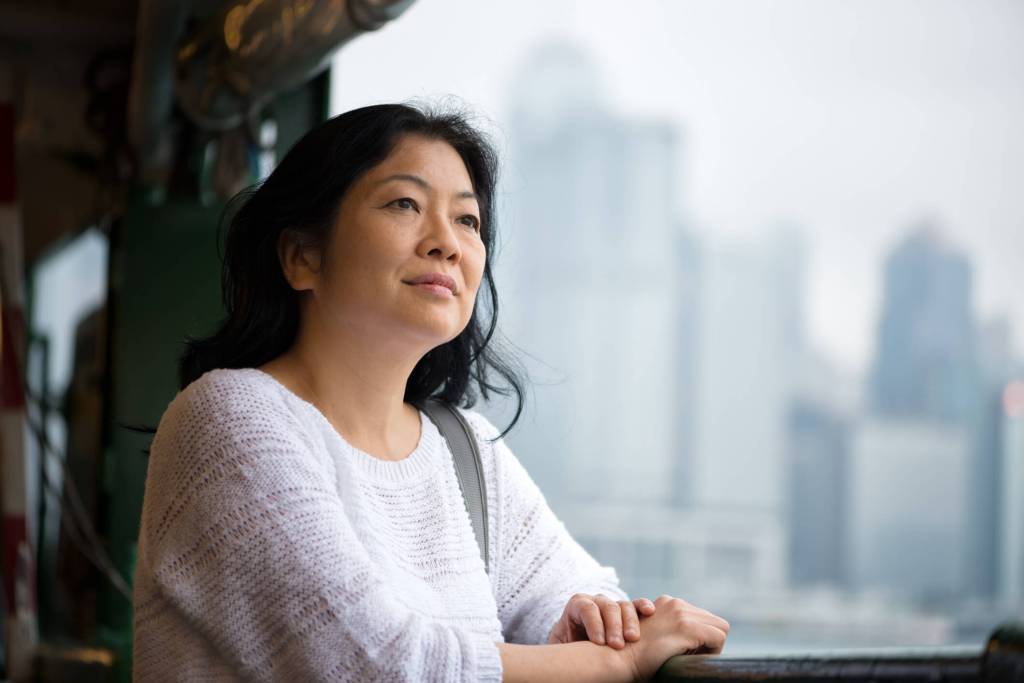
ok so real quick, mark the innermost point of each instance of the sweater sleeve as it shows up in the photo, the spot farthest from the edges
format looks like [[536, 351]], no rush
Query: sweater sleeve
[[244, 533], [541, 566]]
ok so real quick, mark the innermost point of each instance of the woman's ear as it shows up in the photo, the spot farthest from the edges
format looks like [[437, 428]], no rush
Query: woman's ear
[[299, 263]]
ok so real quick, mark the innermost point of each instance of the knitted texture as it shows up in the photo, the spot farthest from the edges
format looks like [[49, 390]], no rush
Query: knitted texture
[[271, 549]]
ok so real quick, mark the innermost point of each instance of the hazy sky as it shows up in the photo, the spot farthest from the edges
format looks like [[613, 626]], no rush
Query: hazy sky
[[851, 119]]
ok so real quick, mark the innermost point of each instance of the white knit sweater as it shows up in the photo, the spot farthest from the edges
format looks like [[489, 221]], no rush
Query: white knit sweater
[[271, 549]]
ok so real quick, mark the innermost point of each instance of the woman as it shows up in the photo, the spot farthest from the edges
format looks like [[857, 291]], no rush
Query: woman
[[302, 519]]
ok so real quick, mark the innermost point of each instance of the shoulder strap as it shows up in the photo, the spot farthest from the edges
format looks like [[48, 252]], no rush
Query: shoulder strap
[[462, 443]]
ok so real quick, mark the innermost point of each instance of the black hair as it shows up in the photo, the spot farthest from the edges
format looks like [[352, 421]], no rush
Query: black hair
[[302, 196]]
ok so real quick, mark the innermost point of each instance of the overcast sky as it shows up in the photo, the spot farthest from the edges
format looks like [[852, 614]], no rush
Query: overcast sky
[[851, 119]]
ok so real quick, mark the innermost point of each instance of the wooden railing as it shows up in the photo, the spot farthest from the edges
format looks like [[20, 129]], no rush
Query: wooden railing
[[1000, 661]]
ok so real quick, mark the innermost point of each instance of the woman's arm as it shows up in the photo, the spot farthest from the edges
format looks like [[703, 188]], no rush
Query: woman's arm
[[540, 565], [579, 661]]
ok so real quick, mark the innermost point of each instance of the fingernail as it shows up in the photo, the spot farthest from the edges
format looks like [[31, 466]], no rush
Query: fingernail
[[630, 632]]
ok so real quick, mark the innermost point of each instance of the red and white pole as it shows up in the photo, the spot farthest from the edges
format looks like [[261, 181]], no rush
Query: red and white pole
[[18, 557]]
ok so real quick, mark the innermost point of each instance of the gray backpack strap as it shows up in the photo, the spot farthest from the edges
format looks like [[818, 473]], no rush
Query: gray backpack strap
[[462, 443]]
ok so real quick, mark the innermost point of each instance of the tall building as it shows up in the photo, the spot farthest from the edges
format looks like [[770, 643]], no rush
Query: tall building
[[688, 320], [908, 508], [590, 260], [749, 342], [932, 372], [749, 335], [825, 400], [996, 360], [925, 360], [1011, 565], [816, 494]]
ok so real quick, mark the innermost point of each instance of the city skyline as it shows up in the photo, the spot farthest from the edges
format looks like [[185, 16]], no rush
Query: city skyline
[[775, 480], [884, 127]]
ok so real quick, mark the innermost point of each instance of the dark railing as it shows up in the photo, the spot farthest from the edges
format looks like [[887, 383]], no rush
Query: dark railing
[[1000, 661]]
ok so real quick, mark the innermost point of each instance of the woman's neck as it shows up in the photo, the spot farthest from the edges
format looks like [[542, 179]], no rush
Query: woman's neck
[[359, 389]]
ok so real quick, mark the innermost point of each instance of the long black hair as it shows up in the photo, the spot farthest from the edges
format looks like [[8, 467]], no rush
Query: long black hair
[[302, 195]]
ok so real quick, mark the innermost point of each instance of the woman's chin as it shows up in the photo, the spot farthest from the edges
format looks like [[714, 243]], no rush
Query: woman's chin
[[435, 330]]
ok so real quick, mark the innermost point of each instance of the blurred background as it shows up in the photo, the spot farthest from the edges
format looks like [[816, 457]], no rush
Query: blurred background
[[763, 261]]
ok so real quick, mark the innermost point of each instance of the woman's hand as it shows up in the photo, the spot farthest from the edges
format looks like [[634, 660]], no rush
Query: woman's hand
[[678, 628], [601, 620]]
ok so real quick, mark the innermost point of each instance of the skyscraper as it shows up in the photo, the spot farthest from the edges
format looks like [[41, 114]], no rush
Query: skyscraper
[[996, 359], [591, 260], [915, 459], [908, 511], [1011, 569], [750, 339], [688, 321], [925, 360], [816, 493]]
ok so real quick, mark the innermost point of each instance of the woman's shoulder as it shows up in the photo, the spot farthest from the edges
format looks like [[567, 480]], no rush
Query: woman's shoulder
[[234, 390], [227, 403]]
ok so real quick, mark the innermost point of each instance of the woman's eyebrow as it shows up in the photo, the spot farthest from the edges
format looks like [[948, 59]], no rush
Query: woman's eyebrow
[[465, 194]]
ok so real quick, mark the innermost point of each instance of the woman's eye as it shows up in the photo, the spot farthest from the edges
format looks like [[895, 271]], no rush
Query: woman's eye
[[411, 203], [473, 221]]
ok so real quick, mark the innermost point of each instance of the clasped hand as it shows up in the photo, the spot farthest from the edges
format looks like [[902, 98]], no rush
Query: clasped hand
[[604, 621], [601, 620]]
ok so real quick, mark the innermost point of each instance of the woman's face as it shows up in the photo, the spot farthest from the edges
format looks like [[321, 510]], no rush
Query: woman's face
[[411, 215]]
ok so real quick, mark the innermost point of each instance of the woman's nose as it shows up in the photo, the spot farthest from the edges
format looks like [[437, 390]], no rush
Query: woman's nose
[[441, 235]]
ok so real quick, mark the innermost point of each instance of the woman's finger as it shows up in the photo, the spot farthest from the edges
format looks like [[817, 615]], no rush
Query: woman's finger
[[644, 606], [612, 614], [588, 613], [557, 634], [630, 620], [721, 623], [714, 639], [664, 597], [710, 619], [698, 612]]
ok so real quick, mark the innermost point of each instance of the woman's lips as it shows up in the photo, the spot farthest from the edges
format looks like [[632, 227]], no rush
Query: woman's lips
[[436, 290]]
